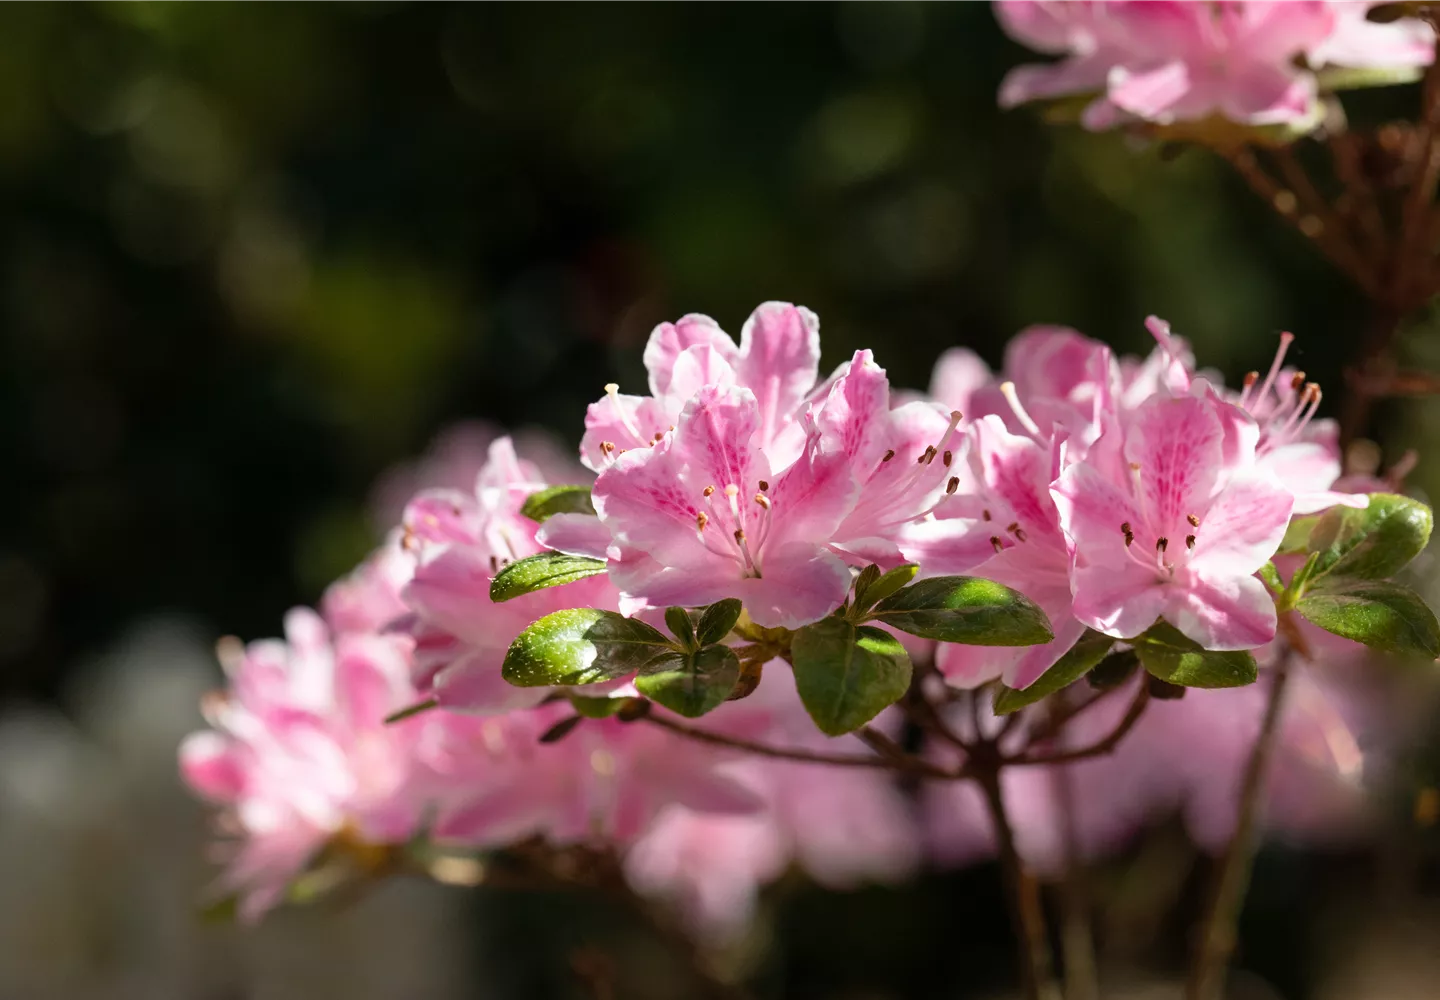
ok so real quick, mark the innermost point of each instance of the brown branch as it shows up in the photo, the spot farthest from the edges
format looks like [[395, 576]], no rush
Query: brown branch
[[908, 763], [1098, 749], [1332, 227], [1217, 929]]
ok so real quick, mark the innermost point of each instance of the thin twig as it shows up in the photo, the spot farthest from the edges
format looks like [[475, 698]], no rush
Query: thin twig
[[1099, 748], [1216, 941], [1036, 975], [1332, 227], [908, 764]]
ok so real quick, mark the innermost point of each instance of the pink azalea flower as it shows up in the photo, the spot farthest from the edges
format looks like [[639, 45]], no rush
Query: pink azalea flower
[[459, 542], [1169, 516], [368, 599], [1251, 62], [300, 755]]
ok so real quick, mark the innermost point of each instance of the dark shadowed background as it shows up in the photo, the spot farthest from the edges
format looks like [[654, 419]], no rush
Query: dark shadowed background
[[253, 255]]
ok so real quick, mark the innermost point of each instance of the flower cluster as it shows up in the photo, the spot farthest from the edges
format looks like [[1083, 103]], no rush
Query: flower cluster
[[499, 672], [1252, 62]]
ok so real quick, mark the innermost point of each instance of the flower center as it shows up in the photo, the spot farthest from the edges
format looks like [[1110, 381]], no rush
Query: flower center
[[734, 529]]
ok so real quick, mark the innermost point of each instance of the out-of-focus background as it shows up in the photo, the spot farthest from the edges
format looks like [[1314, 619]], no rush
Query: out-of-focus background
[[252, 256]]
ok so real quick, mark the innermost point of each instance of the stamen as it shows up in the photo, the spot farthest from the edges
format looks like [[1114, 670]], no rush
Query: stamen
[[659, 436], [762, 500], [1162, 543], [494, 565], [745, 551], [1128, 533], [952, 486], [613, 391], [1160, 330], [606, 447], [1020, 534], [888, 455], [1285, 340], [1194, 521], [701, 519], [985, 514], [947, 458], [1250, 379], [1189, 541], [1007, 389], [708, 491], [1012, 527], [764, 486], [927, 456], [1296, 381], [996, 544]]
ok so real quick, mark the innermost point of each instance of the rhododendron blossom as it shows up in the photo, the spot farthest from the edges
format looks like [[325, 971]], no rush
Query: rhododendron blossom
[[1252, 62]]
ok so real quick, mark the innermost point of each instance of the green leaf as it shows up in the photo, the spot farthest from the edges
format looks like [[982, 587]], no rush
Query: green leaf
[[1297, 535], [965, 609], [1271, 576], [596, 708], [864, 580], [581, 646], [1167, 653], [1374, 543], [1088, 651], [547, 569], [847, 675], [681, 627], [1380, 614], [558, 500], [884, 585], [717, 620], [691, 683]]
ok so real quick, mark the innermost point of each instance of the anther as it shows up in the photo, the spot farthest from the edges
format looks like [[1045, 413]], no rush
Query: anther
[[952, 486], [888, 455], [1189, 541], [1162, 543], [739, 534], [947, 458], [1297, 380], [1020, 534], [1251, 378], [1013, 527], [1194, 521], [764, 486], [762, 500], [1129, 534], [606, 447], [996, 544], [985, 514], [701, 519], [659, 436], [927, 456], [707, 491], [494, 565]]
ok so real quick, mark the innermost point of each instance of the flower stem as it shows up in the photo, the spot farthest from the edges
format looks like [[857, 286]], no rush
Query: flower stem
[[1216, 941], [1036, 977]]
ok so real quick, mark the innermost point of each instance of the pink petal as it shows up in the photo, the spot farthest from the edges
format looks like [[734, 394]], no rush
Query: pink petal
[[697, 367], [1177, 444], [1120, 600], [575, 534], [628, 423], [669, 340], [958, 373], [210, 765], [1243, 527], [800, 585], [1161, 94], [779, 361], [1229, 612], [473, 683], [853, 419]]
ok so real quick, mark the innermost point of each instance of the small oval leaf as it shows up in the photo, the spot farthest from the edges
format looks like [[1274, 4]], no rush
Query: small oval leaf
[[885, 585], [1172, 656], [847, 675], [547, 569], [691, 683], [581, 646], [558, 500], [1374, 543], [1382, 615], [965, 609], [717, 620], [681, 627], [1088, 650]]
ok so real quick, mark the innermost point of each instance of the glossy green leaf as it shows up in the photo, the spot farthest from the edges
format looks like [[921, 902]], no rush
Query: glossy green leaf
[[558, 500], [1297, 535], [1078, 661], [547, 569], [1114, 670], [691, 683], [681, 627], [884, 584], [581, 646], [1170, 655], [717, 620], [965, 609], [597, 708], [1271, 576], [1374, 543], [847, 675], [1380, 614]]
